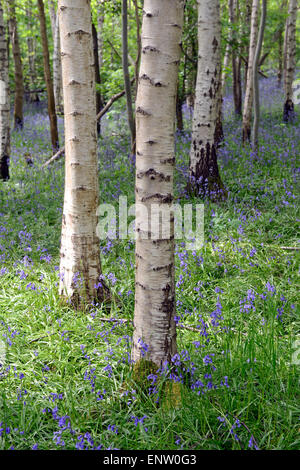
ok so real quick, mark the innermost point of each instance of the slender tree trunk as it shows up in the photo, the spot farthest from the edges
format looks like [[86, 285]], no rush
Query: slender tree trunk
[[154, 336], [80, 266], [4, 103], [100, 17], [225, 65], [97, 76], [48, 79], [255, 76], [281, 45], [34, 97], [228, 48], [236, 62], [204, 177], [247, 114], [248, 14], [130, 116], [19, 83], [57, 75], [288, 110], [53, 16]]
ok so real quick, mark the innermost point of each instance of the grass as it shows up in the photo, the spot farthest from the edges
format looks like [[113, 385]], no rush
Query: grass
[[66, 380]]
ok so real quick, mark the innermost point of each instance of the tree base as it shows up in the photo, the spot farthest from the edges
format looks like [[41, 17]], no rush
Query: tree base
[[4, 168], [288, 111], [211, 188]]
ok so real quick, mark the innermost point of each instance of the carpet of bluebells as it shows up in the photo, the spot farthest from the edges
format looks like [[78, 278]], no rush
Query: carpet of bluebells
[[65, 374]]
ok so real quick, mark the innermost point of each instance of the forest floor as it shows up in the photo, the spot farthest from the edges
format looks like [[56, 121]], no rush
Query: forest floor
[[65, 375]]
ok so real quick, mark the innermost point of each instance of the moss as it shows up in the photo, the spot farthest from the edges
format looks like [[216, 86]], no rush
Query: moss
[[140, 372]]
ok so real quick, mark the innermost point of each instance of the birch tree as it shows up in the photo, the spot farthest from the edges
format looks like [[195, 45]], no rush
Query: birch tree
[[34, 97], [48, 78], [288, 109], [255, 76], [4, 103], [247, 113], [204, 177], [57, 74], [19, 83], [154, 337], [80, 266]]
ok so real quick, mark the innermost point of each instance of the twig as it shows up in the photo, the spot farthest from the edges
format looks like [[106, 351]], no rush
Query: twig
[[99, 116]]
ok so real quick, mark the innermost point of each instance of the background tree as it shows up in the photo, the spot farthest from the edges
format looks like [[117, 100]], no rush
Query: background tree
[[204, 177], [4, 103], [247, 112], [19, 84], [288, 110], [255, 75], [130, 116], [48, 78]]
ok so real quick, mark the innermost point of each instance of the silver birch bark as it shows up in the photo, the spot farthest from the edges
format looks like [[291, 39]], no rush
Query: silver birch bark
[[80, 266], [288, 111], [154, 323], [247, 113], [4, 103], [204, 178]]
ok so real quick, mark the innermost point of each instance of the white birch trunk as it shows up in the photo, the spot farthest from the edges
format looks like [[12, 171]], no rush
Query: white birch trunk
[[288, 112], [247, 114], [80, 258], [154, 323], [4, 104], [203, 172]]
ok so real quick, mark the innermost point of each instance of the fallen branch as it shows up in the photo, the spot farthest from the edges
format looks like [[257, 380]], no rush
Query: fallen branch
[[99, 116]]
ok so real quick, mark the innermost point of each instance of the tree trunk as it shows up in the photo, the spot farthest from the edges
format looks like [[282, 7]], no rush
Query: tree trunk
[[53, 16], [247, 114], [4, 103], [255, 76], [48, 79], [204, 177], [19, 83], [130, 116], [281, 45], [57, 77], [97, 76], [154, 337], [34, 97], [288, 110], [80, 267], [100, 17], [236, 62]]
